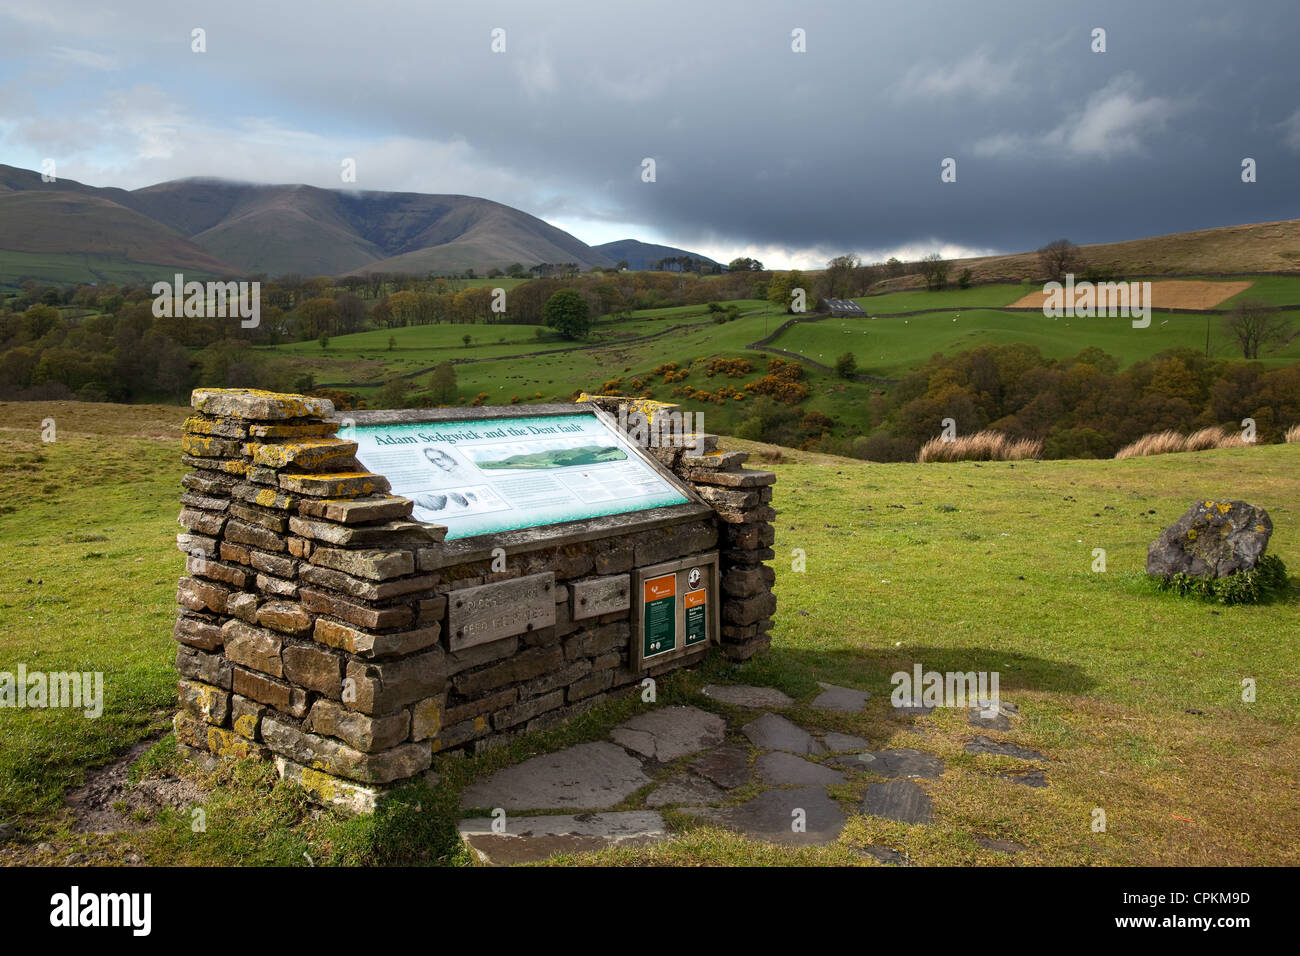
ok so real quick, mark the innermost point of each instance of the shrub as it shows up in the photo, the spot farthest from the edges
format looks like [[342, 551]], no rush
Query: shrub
[[1266, 580], [732, 368], [980, 446], [1293, 434], [846, 365]]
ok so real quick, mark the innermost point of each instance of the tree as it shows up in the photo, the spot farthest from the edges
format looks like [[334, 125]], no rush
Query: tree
[[935, 269], [567, 313], [846, 366], [963, 279], [442, 384], [1252, 325], [392, 342], [621, 265], [744, 264], [467, 338], [394, 394], [324, 340], [841, 277], [1059, 257]]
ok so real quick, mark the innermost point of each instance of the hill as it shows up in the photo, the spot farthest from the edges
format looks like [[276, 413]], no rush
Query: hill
[[1226, 250], [227, 227], [643, 255]]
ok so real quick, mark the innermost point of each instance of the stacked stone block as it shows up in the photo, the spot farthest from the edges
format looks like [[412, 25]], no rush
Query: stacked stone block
[[741, 499], [313, 614]]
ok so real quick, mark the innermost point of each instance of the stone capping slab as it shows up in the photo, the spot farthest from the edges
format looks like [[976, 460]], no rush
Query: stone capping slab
[[480, 547]]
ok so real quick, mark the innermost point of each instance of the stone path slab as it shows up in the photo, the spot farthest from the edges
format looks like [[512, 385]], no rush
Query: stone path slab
[[886, 855], [770, 816], [899, 800], [845, 743], [1034, 778], [771, 732], [670, 732], [985, 745], [745, 695], [728, 767], [898, 762], [780, 769], [1001, 846], [843, 699], [685, 789], [988, 719], [592, 776], [529, 839]]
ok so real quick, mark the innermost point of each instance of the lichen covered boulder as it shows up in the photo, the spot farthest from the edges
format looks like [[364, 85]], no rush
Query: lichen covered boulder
[[1211, 540]]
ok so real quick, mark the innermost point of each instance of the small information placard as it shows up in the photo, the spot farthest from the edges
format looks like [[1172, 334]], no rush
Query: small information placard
[[659, 619], [697, 623]]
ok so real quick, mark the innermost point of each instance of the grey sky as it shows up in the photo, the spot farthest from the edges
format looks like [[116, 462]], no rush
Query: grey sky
[[759, 150]]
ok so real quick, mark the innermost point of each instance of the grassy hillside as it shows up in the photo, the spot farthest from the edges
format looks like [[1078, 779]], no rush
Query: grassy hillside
[[1253, 247], [1133, 695]]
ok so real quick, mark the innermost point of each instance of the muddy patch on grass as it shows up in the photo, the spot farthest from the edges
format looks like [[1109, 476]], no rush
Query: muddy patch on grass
[[109, 803]]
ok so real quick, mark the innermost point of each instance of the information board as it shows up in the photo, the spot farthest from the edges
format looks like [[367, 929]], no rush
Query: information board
[[677, 608], [479, 476]]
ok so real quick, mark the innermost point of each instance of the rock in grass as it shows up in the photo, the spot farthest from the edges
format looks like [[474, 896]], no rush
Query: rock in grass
[[1211, 540]]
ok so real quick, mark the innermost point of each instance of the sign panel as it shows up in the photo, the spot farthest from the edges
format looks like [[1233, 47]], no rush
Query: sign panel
[[489, 612], [697, 627], [659, 621], [499, 474]]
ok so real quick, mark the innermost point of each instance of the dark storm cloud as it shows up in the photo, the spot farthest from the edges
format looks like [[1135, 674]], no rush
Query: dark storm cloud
[[835, 149]]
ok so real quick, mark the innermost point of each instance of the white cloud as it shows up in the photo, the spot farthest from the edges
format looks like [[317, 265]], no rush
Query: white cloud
[[1115, 121], [86, 58], [977, 75], [1291, 130]]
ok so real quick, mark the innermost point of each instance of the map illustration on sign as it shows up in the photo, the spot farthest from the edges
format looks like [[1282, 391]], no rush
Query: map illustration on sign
[[497, 474]]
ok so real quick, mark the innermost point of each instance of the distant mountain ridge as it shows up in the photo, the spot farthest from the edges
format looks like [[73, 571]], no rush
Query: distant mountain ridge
[[225, 227], [644, 255]]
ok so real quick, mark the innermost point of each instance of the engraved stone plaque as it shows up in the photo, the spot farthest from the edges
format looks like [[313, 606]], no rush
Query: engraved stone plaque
[[489, 612], [601, 596]]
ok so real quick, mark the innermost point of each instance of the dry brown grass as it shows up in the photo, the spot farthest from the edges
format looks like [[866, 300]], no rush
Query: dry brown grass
[[1171, 442], [1165, 294], [980, 446], [1293, 434]]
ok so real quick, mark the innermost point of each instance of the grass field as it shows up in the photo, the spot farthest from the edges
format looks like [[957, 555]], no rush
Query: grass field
[[892, 347], [1134, 695]]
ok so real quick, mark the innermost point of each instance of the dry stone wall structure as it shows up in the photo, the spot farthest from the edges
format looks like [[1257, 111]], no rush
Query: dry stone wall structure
[[313, 616]]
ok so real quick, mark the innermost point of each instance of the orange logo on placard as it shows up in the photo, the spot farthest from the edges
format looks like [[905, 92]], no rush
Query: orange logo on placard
[[663, 587], [696, 598]]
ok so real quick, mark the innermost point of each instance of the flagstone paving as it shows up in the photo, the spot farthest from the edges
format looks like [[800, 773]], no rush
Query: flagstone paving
[[899, 762], [990, 719], [845, 743], [685, 789], [728, 767], [985, 745], [670, 732], [899, 800], [771, 732], [529, 839], [844, 699], [792, 767], [743, 695], [771, 816], [592, 776], [779, 769]]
